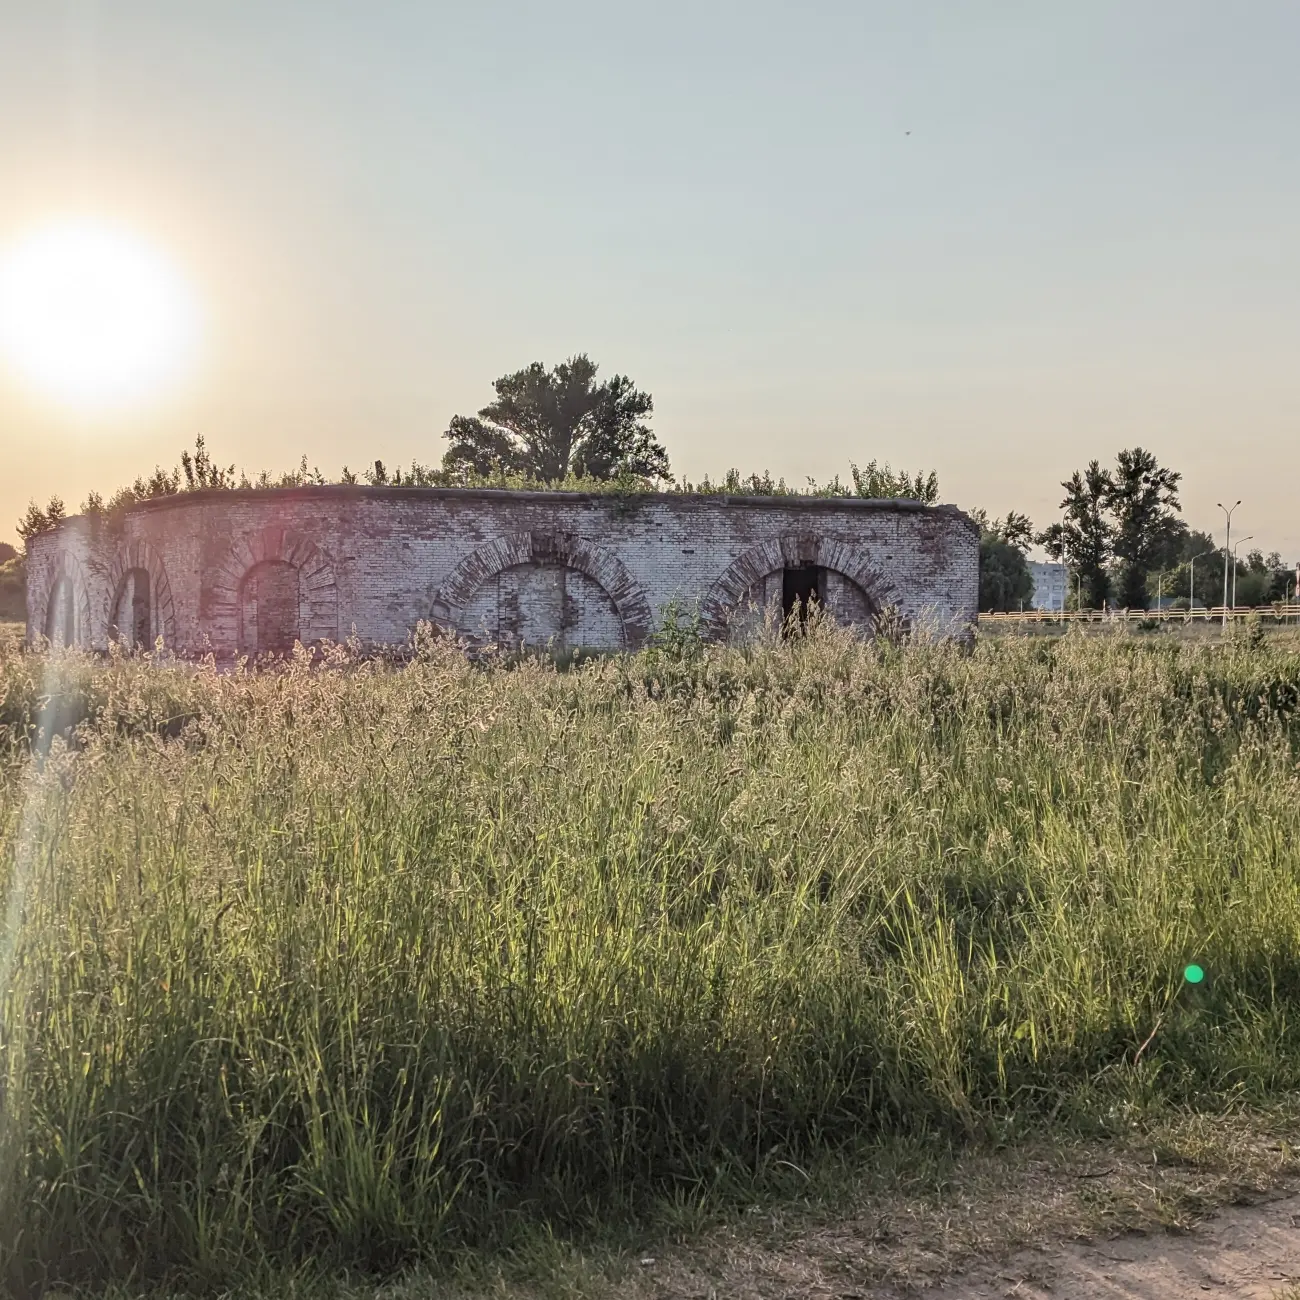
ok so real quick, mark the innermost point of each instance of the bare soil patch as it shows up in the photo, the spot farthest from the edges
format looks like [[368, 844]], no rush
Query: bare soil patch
[[1247, 1251], [1200, 1205]]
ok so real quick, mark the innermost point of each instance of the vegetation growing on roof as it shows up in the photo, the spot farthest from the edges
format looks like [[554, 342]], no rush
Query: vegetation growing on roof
[[197, 472]]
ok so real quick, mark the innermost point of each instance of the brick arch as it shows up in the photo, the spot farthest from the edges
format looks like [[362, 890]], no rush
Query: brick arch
[[318, 585], [140, 555], [602, 566], [793, 550], [66, 567]]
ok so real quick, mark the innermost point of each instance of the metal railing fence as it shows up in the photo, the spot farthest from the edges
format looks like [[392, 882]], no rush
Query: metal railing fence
[[1279, 613]]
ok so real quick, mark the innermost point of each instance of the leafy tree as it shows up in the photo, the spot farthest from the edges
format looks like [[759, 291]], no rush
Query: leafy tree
[[1143, 500], [161, 483], [37, 520], [201, 473], [1017, 529], [1127, 516], [553, 423], [1198, 559], [1252, 587], [1005, 580], [879, 482], [1084, 538], [13, 585], [1262, 579]]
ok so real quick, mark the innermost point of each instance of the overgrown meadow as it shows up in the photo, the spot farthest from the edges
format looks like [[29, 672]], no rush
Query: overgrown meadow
[[369, 964]]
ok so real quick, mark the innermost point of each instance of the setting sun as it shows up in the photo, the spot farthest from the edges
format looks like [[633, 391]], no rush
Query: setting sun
[[92, 316]]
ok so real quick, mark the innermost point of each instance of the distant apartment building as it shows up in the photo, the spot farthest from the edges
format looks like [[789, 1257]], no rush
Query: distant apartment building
[[1051, 582]]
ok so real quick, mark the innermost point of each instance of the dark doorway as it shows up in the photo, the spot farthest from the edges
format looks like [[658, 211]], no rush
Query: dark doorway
[[798, 588], [134, 617], [141, 614], [132, 625]]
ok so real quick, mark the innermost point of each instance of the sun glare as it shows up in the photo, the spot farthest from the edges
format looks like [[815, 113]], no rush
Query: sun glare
[[93, 317]]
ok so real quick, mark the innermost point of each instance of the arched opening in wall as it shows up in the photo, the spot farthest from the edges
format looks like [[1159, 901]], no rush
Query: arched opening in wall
[[61, 615], [790, 594], [540, 605], [269, 608], [133, 611]]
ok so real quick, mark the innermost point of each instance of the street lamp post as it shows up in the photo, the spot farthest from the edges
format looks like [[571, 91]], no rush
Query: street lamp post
[[1242, 542], [1226, 551]]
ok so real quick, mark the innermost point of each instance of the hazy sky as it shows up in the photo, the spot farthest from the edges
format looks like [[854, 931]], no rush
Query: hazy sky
[[1089, 239]]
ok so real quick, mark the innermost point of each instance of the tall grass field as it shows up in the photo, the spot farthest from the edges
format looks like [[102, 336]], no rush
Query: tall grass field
[[371, 964]]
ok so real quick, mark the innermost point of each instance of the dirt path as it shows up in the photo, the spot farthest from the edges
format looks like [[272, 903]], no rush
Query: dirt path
[[1251, 1252], [1244, 1252], [1205, 1207]]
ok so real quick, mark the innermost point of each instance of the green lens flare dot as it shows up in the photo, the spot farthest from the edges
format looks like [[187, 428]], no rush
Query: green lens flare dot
[[1193, 974]]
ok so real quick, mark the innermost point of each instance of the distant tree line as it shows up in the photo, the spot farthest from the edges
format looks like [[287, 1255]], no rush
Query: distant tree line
[[13, 595], [1125, 543]]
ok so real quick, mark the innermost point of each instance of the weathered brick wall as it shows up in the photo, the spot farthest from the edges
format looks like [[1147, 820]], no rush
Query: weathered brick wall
[[498, 566]]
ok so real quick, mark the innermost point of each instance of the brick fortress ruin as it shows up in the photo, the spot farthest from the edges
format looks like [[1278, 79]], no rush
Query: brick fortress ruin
[[252, 572]]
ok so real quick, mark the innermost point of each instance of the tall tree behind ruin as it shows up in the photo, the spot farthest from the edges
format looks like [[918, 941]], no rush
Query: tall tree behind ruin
[[1084, 537], [547, 424], [1120, 523], [1005, 580], [1144, 502]]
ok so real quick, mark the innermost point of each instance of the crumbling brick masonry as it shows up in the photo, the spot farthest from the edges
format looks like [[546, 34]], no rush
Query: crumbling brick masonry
[[249, 572]]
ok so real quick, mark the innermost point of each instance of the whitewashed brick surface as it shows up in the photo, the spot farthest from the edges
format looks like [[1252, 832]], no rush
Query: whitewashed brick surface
[[497, 566]]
